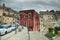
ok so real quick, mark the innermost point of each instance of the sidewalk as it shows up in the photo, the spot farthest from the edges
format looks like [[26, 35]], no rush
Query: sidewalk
[[37, 36], [23, 35], [20, 35]]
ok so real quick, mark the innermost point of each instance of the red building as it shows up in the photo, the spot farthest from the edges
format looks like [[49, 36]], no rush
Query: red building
[[30, 19]]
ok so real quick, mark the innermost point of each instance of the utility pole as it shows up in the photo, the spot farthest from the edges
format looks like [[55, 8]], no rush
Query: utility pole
[[27, 25], [15, 23]]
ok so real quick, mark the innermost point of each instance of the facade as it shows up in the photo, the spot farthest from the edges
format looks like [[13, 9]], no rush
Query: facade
[[8, 20], [49, 19], [30, 19], [57, 14], [1, 11], [6, 15]]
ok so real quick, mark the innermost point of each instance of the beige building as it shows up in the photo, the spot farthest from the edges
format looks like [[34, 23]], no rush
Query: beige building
[[7, 16], [48, 19], [57, 14], [8, 20], [1, 11]]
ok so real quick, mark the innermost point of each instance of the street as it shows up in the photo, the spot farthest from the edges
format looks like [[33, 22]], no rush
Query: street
[[23, 35]]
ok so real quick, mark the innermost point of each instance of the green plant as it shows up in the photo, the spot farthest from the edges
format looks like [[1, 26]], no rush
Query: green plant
[[50, 34], [56, 30]]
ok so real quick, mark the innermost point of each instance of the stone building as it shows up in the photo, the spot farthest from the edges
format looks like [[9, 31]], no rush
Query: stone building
[[6, 15], [30, 19], [48, 19]]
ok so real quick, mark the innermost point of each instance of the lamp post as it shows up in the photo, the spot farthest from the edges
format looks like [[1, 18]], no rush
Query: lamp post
[[27, 25], [15, 22], [28, 33]]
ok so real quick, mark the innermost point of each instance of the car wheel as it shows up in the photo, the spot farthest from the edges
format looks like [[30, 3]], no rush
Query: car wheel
[[6, 32]]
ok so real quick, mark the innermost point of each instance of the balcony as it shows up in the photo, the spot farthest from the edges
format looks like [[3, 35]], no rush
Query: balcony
[[4, 14]]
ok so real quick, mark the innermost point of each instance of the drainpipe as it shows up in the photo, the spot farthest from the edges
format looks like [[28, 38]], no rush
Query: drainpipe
[[15, 24]]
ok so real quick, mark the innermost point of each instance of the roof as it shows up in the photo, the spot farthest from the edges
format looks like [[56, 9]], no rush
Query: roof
[[57, 12], [28, 11], [47, 13]]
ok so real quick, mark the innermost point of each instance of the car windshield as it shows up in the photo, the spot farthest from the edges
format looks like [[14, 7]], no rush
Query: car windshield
[[5, 26]]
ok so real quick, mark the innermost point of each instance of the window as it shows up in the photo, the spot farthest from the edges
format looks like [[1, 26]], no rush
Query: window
[[4, 14], [37, 18], [13, 18], [13, 22], [8, 18], [53, 23], [3, 18], [52, 16], [10, 22], [41, 16], [48, 16], [0, 16], [41, 20], [24, 16], [29, 15], [29, 24], [0, 21]]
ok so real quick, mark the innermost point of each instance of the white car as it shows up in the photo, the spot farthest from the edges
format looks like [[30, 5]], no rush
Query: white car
[[13, 27], [4, 29]]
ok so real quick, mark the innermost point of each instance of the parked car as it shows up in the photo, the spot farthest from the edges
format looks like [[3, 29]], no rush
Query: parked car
[[13, 27], [4, 29]]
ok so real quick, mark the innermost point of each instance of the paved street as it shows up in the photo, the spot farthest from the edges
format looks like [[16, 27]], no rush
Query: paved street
[[23, 35], [57, 38]]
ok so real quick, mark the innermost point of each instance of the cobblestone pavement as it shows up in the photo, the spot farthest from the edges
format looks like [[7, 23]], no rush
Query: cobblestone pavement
[[23, 35]]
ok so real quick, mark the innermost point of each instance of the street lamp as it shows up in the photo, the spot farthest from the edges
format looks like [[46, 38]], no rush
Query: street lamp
[[15, 22], [27, 25]]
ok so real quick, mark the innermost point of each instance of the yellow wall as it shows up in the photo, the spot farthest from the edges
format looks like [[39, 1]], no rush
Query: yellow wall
[[8, 20], [1, 12]]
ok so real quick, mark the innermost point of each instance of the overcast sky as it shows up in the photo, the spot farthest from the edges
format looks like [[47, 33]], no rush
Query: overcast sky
[[38, 5]]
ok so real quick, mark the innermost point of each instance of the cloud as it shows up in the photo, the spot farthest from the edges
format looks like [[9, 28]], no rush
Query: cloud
[[38, 5]]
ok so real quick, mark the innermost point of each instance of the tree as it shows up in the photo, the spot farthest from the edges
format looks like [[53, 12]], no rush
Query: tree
[[52, 11]]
